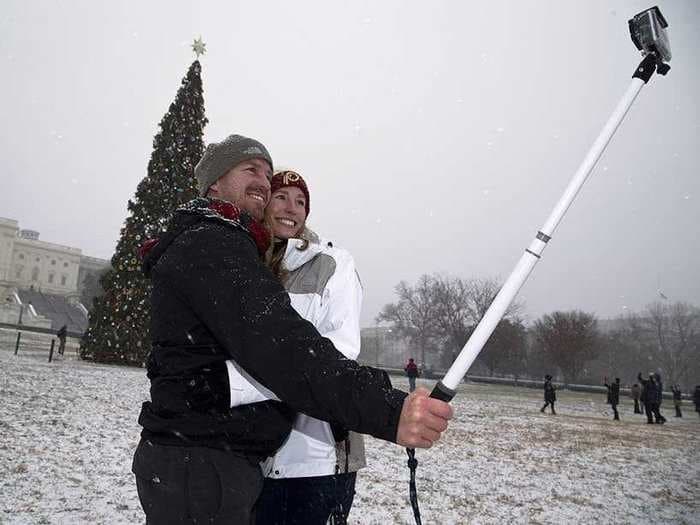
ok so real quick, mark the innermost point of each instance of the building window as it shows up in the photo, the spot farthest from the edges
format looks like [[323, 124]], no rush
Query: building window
[[53, 262], [50, 278], [35, 274], [21, 256], [65, 265], [63, 280], [18, 272], [37, 259]]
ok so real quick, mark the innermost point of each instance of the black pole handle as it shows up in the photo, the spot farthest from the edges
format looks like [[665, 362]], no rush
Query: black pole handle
[[442, 392]]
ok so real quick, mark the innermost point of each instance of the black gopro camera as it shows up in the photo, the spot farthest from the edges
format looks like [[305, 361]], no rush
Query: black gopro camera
[[648, 31]]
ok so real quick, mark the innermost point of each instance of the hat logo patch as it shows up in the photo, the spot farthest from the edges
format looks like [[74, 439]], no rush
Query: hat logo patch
[[289, 177]]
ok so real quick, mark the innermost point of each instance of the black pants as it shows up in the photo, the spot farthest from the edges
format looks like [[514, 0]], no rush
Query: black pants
[[548, 403], [195, 484], [678, 408], [654, 410], [649, 411], [308, 501], [616, 417], [636, 407]]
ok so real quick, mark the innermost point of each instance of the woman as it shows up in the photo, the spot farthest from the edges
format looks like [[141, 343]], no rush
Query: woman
[[312, 476]]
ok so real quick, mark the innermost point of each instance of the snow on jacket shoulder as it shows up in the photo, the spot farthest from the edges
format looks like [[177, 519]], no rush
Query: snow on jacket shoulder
[[324, 288]]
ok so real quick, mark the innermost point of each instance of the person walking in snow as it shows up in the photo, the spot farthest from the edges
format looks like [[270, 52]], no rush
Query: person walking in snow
[[636, 393], [412, 372], [550, 394], [656, 406], [62, 334], [696, 398], [613, 396], [646, 398], [213, 300], [677, 399], [652, 395]]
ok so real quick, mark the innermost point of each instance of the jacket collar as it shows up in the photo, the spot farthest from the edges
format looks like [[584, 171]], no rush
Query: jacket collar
[[204, 209], [295, 257]]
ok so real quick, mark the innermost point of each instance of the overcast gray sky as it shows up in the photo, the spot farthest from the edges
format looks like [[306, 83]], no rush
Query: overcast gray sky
[[435, 136]]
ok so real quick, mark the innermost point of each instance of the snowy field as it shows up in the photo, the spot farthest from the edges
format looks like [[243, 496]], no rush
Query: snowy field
[[68, 431]]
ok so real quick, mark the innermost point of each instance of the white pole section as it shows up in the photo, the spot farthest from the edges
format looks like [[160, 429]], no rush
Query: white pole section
[[532, 254]]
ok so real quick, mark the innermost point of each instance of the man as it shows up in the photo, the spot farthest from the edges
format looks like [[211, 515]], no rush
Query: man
[[613, 396], [652, 396], [411, 370], [550, 394], [213, 300]]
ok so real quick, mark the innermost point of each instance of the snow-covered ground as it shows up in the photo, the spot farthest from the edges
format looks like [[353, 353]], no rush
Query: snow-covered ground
[[68, 431]]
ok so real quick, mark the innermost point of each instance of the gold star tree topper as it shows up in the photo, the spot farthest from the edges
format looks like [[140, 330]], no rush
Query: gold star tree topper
[[199, 47]]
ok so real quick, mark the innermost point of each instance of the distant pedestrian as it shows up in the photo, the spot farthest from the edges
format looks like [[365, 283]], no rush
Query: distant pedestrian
[[614, 396], [550, 394], [648, 393], [677, 399], [412, 372], [636, 392], [652, 395], [643, 398], [659, 399], [696, 399], [62, 334]]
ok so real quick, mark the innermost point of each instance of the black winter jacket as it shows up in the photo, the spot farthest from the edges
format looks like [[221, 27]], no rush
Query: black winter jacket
[[613, 393], [213, 300], [652, 391], [550, 393]]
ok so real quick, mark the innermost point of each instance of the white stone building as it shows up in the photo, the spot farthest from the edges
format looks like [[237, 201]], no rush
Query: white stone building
[[48, 274]]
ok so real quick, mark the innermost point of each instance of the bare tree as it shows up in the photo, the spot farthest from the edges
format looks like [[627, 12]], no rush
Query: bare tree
[[441, 310], [619, 356], [461, 303], [482, 293], [413, 316], [672, 337], [568, 340], [505, 351], [453, 317]]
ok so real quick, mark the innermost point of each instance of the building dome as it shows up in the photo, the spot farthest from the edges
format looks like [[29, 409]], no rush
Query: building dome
[[31, 235]]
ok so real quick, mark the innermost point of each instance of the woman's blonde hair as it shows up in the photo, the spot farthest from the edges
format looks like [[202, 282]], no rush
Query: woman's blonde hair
[[274, 257]]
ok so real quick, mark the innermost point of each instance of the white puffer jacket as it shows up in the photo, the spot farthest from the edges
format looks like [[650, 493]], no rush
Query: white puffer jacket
[[325, 289]]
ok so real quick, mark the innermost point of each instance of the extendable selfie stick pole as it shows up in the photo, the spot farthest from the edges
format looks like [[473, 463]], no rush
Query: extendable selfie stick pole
[[445, 389], [648, 33]]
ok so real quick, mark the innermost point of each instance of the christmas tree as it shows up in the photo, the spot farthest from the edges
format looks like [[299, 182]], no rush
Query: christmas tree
[[118, 330]]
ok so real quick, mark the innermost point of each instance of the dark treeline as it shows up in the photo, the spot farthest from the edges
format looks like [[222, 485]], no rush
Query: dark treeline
[[435, 317]]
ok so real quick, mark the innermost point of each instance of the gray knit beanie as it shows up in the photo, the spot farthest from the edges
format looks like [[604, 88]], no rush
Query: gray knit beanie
[[220, 157]]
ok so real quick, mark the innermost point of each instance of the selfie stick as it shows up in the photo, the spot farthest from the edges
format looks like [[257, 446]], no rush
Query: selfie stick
[[648, 33], [653, 61]]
